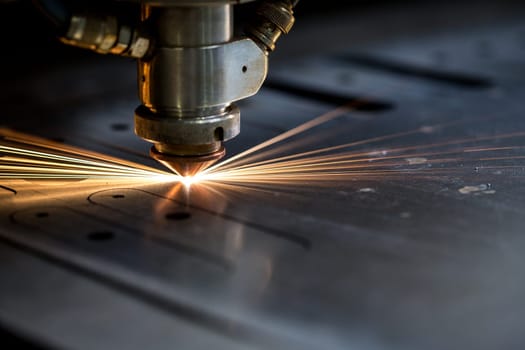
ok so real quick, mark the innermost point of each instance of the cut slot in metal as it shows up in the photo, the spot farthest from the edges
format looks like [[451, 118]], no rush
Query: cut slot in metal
[[329, 97], [416, 71]]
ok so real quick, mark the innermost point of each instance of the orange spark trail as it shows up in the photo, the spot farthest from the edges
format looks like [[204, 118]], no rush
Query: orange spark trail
[[29, 157]]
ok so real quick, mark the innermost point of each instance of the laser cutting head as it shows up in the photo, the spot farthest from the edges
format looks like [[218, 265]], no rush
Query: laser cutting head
[[191, 70], [196, 70], [187, 84]]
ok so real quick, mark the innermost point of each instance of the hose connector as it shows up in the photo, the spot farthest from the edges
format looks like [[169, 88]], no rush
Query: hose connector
[[105, 35], [273, 18]]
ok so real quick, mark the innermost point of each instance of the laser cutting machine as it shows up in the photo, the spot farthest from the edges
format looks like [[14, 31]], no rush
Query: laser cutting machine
[[191, 67], [418, 246]]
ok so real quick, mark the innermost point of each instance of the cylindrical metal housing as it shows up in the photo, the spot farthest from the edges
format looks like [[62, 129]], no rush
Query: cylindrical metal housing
[[190, 26], [192, 75], [177, 79], [178, 88]]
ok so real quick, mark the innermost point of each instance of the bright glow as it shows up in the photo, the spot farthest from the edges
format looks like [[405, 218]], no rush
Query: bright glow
[[188, 180]]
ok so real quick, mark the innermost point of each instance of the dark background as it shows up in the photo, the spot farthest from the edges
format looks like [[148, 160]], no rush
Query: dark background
[[29, 40]]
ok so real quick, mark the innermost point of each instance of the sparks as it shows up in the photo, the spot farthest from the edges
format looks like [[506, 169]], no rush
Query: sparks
[[272, 162], [291, 158], [28, 157]]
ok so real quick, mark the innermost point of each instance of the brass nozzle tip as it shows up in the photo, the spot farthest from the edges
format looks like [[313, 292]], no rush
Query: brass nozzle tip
[[187, 165]]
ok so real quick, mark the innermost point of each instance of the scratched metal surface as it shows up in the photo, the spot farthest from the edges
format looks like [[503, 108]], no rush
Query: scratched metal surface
[[392, 264]]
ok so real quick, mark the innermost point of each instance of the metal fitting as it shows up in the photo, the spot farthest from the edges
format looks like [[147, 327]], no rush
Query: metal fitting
[[274, 17], [103, 34], [181, 81], [193, 131]]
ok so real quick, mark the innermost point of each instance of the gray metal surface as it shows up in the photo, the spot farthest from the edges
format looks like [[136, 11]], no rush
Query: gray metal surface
[[390, 263]]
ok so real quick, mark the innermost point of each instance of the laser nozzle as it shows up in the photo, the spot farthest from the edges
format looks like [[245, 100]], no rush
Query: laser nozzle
[[187, 165]]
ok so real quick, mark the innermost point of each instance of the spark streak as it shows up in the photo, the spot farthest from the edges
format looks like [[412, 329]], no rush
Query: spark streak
[[271, 163], [29, 157]]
